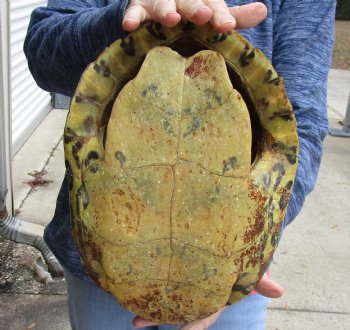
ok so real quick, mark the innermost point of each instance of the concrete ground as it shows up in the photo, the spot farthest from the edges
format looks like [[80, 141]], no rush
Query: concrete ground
[[312, 261]]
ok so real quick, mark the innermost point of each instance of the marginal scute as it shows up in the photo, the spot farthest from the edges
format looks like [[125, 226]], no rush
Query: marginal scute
[[176, 209]]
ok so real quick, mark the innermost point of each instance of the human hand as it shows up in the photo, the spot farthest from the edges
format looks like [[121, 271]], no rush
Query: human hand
[[266, 287], [170, 12]]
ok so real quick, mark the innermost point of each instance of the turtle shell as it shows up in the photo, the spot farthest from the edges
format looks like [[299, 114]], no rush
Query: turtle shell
[[181, 151]]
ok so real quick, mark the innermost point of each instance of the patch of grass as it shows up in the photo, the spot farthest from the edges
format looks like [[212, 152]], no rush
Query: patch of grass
[[341, 51]]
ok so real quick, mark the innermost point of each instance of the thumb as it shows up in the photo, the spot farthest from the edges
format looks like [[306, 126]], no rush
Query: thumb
[[139, 322], [249, 15], [268, 288]]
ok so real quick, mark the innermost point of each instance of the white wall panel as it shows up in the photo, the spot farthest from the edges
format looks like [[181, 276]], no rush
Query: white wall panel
[[5, 117], [29, 103]]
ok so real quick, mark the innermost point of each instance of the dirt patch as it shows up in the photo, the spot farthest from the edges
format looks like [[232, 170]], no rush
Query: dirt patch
[[341, 52], [16, 271]]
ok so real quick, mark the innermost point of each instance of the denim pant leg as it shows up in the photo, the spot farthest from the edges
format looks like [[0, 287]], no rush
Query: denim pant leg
[[248, 314], [91, 308]]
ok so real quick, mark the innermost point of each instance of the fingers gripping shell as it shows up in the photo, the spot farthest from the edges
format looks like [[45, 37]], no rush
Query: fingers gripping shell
[[172, 210]]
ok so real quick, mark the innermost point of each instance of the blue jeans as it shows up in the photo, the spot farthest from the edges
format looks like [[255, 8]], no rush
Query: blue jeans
[[90, 308]]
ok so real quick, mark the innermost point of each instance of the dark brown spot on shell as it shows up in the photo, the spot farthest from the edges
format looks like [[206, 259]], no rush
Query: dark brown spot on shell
[[67, 138], [270, 208], [102, 71], [69, 173], [78, 99], [94, 168], [68, 135], [279, 168], [277, 145], [229, 164], [283, 202], [274, 239], [166, 124], [196, 123], [128, 46], [83, 99], [289, 185], [105, 66], [287, 116], [120, 157], [266, 179], [92, 155], [89, 124], [247, 56], [75, 150], [275, 235], [156, 30], [188, 26], [269, 80], [78, 201], [217, 37], [151, 89], [270, 218], [292, 158], [212, 95], [246, 289], [82, 197], [264, 102]]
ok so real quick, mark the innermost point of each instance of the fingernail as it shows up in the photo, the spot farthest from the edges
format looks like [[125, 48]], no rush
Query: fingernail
[[227, 21], [172, 13], [261, 10]]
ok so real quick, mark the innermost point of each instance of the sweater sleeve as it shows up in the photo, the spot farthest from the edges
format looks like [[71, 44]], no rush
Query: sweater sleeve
[[64, 37], [302, 52]]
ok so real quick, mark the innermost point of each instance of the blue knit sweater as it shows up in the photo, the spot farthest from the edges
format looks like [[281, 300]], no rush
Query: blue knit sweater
[[297, 37]]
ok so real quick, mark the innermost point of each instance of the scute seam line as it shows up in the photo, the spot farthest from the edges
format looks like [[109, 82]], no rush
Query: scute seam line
[[128, 244], [187, 161], [211, 172], [163, 280], [171, 226], [173, 171], [166, 238]]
